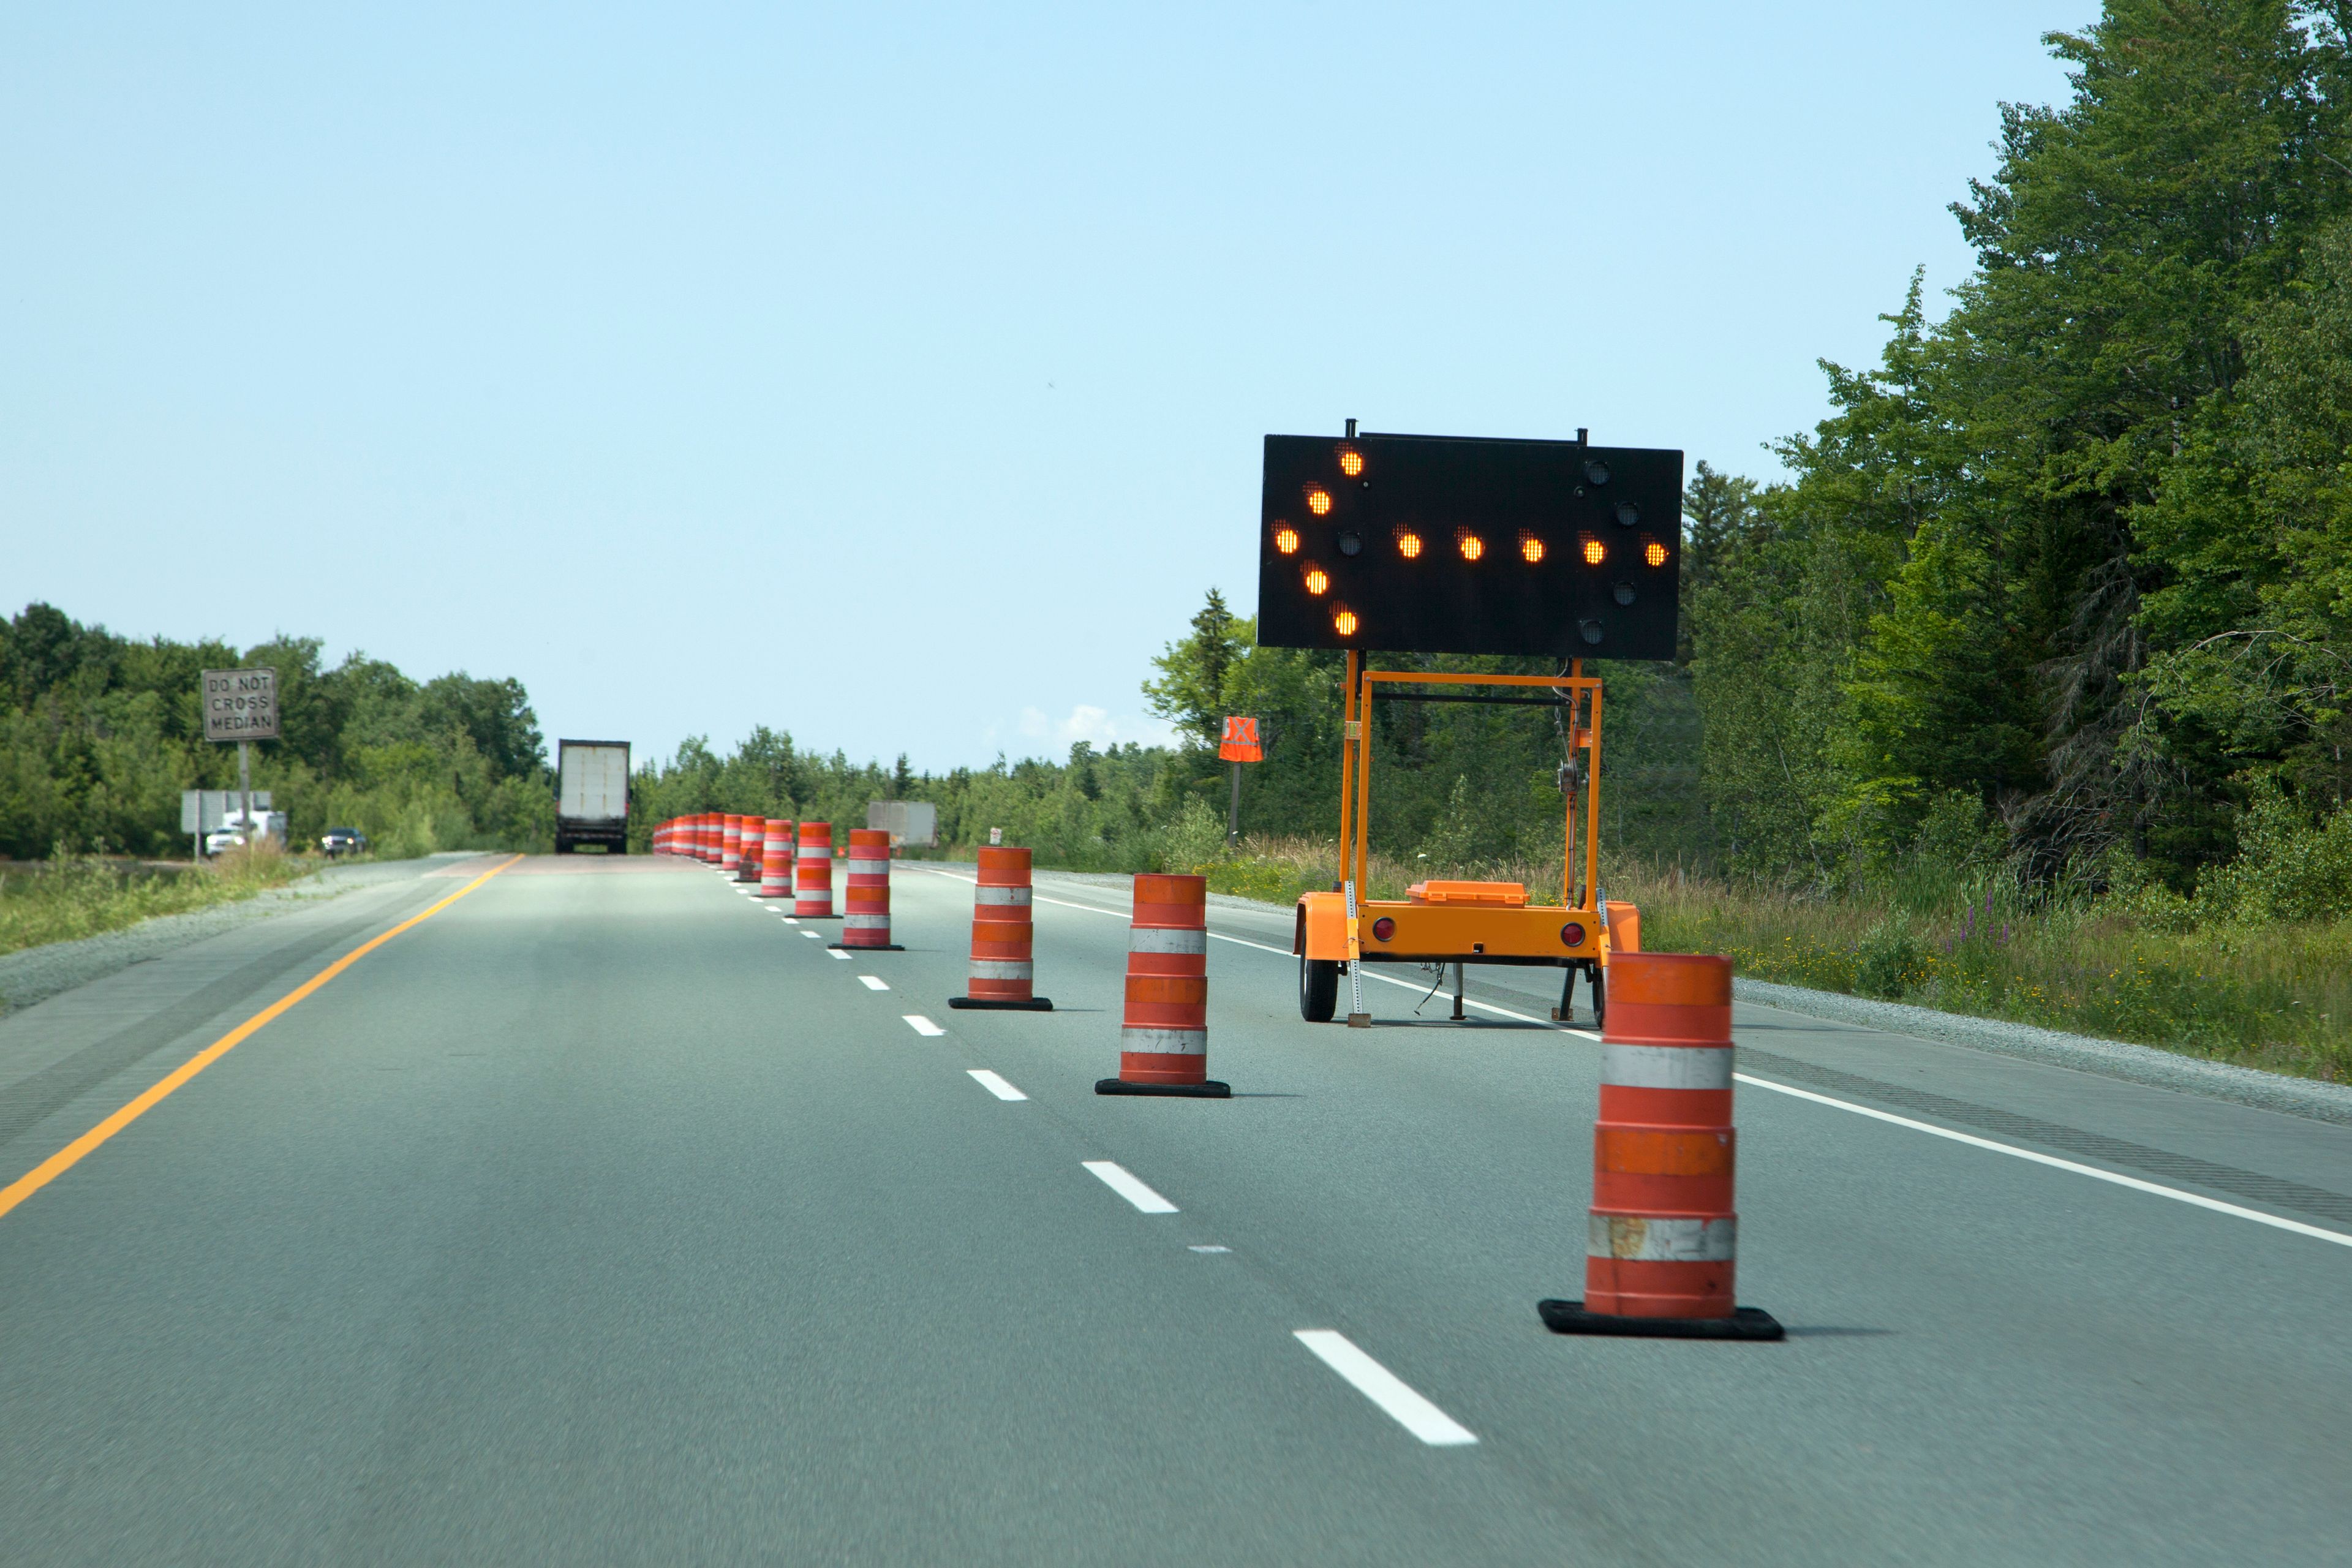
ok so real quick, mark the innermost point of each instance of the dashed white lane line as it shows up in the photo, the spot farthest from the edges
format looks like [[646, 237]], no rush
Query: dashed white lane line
[[836, 951], [1120, 1180], [790, 922], [994, 1085], [1386, 1389], [811, 935], [1198, 1247], [921, 1024], [872, 982]]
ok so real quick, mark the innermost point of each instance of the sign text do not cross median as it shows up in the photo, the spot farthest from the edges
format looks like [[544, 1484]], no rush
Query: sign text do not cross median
[[240, 705]]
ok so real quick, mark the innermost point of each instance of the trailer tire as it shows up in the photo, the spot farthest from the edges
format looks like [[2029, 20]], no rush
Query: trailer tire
[[1318, 988]]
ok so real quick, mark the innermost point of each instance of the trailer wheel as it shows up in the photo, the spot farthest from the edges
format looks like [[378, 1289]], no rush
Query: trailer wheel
[[1318, 988], [1600, 997]]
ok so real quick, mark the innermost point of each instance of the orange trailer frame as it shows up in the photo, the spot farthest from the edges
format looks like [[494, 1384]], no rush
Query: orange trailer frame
[[1460, 922]]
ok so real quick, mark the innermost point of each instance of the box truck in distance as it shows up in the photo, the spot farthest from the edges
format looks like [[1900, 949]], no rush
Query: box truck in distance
[[592, 795]]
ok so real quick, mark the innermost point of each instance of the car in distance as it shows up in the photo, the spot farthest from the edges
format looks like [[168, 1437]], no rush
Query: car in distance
[[337, 842]]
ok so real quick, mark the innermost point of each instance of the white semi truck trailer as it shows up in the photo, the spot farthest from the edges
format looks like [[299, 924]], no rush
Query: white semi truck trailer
[[592, 795]]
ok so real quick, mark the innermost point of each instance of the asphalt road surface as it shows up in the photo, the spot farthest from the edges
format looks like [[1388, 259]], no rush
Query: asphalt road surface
[[605, 1215]]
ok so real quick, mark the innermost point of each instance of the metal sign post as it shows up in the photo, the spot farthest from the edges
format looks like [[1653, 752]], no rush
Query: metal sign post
[[241, 705]]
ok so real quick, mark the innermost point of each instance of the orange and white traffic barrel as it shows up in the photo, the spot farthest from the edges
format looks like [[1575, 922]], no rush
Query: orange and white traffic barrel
[[866, 897], [1004, 956], [776, 860], [731, 840], [1661, 1243], [1164, 1036], [709, 838], [813, 871], [754, 839]]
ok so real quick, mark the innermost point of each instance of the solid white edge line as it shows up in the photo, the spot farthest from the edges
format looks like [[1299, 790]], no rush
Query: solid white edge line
[[921, 1024], [874, 983], [2196, 1200], [1385, 1389], [1122, 1181], [994, 1084]]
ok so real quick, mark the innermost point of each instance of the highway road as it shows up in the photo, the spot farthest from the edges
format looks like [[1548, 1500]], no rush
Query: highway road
[[606, 1215]]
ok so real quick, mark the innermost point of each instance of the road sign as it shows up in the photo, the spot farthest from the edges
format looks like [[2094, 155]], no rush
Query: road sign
[[1449, 545], [240, 705], [1240, 744], [201, 810]]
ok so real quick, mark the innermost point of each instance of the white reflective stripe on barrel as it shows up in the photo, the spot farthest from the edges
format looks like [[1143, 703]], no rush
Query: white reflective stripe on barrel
[[988, 895], [1647, 1240], [866, 922], [1162, 939], [869, 861], [1165, 1042], [1666, 1066], [1003, 969]]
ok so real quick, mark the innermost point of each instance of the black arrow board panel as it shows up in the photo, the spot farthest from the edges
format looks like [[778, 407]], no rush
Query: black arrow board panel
[[1455, 544]]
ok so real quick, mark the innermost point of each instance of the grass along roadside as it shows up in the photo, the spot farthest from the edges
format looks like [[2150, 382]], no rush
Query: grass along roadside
[[77, 896], [2270, 995]]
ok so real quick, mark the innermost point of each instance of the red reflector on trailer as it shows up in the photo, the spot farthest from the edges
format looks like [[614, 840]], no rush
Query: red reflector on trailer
[[1383, 929], [1571, 935]]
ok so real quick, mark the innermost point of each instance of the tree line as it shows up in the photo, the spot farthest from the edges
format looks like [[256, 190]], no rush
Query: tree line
[[2063, 586], [99, 734]]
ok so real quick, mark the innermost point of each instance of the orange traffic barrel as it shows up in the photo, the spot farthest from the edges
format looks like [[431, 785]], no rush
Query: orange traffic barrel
[[776, 860], [866, 897], [1661, 1236], [754, 842], [730, 841], [709, 838], [1003, 966], [813, 871], [1164, 1036]]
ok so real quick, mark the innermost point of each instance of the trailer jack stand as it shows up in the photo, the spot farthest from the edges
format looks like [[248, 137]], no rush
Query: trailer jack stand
[[1458, 1018]]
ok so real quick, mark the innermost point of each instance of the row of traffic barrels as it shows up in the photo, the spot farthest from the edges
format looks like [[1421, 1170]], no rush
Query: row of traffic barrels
[[791, 860], [1661, 1232]]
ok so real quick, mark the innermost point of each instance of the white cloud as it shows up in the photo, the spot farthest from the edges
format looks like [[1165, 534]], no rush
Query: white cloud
[[1096, 726]]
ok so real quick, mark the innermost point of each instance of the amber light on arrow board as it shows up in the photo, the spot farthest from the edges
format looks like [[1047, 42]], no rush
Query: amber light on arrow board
[[1531, 549], [1344, 623], [1654, 553], [1407, 545], [1352, 462], [1317, 580], [1595, 553], [1286, 539], [1469, 543], [1318, 501]]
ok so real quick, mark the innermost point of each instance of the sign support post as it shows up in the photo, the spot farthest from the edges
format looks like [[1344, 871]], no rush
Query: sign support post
[[241, 705]]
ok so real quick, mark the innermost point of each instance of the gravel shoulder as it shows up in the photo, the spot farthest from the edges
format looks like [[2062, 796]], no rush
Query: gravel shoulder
[[37, 973]]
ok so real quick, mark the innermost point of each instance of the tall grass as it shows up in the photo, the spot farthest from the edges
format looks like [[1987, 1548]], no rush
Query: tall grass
[[74, 896]]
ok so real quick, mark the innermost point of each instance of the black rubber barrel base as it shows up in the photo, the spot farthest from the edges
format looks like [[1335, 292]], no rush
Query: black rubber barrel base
[[1210, 1089], [886, 947], [1744, 1323], [997, 1005]]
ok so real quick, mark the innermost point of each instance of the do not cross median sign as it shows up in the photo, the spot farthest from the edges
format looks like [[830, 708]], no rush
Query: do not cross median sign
[[240, 705]]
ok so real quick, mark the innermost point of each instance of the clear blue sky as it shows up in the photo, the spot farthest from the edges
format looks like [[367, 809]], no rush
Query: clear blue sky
[[891, 374]]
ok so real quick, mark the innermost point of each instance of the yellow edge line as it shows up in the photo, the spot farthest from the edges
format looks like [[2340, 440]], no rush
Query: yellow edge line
[[67, 1158]]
